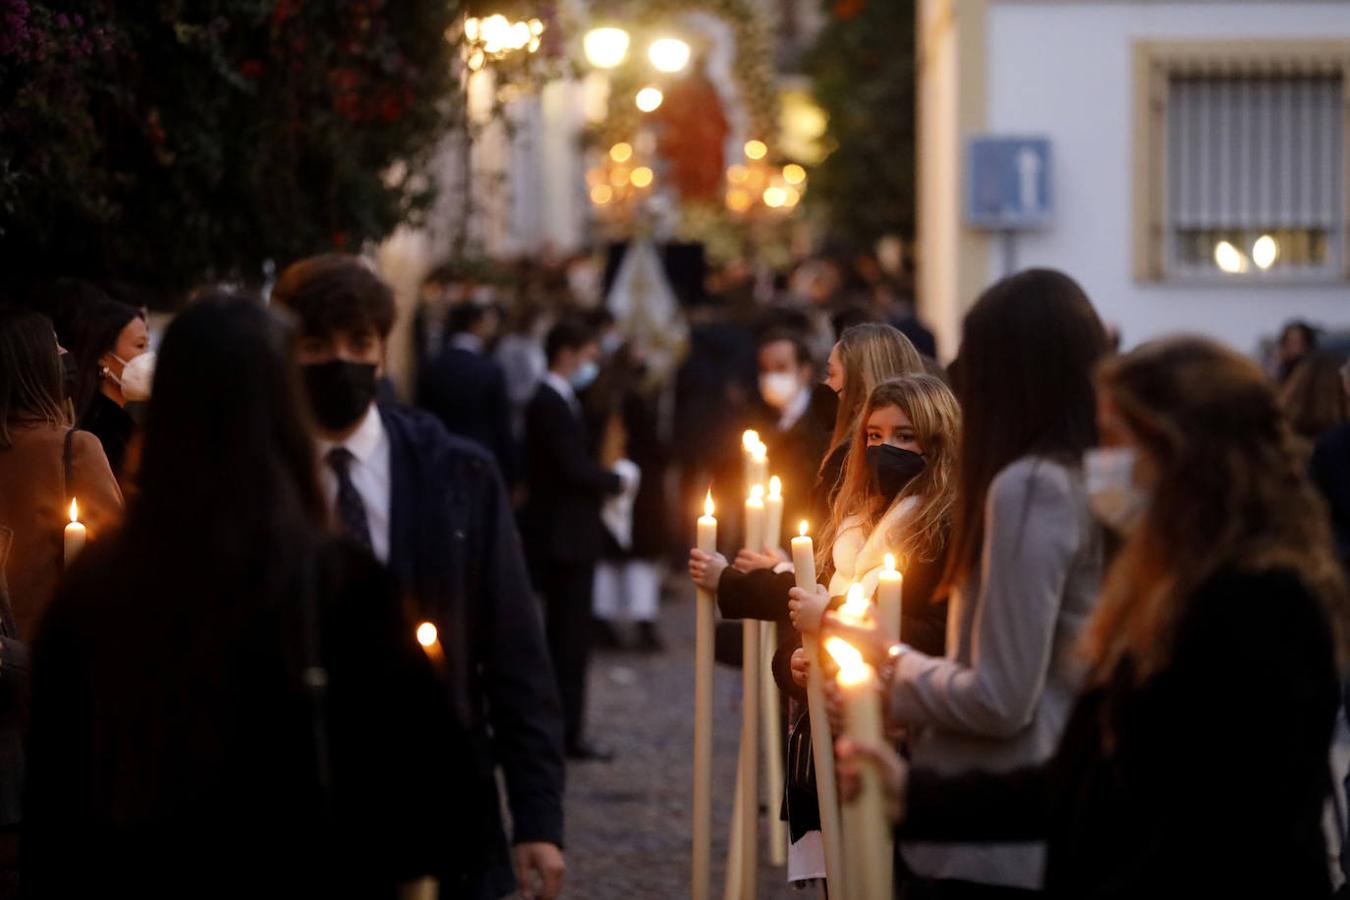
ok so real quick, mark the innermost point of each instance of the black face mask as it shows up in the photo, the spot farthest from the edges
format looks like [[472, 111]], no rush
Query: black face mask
[[893, 468], [824, 405], [339, 392]]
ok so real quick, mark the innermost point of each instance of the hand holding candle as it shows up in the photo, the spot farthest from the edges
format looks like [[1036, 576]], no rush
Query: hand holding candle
[[804, 564], [866, 828], [806, 607], [75, 534]]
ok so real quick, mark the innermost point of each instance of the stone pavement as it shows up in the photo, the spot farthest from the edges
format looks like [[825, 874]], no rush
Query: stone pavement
[[628, 820]]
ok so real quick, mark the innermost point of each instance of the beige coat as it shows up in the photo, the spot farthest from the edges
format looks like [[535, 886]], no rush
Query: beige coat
[[34, 504]]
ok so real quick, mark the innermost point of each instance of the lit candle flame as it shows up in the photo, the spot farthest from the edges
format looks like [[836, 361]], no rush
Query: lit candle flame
[[856, 606], [708, 504], [890, 562], [426, 634], [757, 494], [750, 440], [801, 529], [759, 453], [74, 510], [776, 488], [852, 668]]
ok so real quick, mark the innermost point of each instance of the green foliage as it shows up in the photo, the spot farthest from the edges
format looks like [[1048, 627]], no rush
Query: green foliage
[[167, 142], [863, 68]]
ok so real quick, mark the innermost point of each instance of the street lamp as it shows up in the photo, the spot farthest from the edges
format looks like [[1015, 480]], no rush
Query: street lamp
[[649, 99], [605, 47], [669, 54]]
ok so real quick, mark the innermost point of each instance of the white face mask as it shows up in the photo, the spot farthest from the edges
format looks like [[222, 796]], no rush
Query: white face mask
[[1112, 492], [779, 388], [137, 375]]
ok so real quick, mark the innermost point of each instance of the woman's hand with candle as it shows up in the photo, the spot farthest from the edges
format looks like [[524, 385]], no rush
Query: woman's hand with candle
[[800, 667], [805, 609], [749, 560], [705, 569], [870, 639], [851, 755]]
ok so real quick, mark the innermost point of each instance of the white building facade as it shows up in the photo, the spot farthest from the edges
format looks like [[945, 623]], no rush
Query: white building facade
[[1200, 158]]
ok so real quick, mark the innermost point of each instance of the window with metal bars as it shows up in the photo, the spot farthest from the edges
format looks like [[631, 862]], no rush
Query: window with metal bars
[[1254, 168]]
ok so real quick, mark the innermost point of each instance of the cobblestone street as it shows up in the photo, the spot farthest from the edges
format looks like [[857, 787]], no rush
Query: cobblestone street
[[628, 821]]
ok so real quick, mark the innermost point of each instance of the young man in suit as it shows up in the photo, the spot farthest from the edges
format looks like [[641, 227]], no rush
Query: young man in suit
[[561, 519], [796, 440], [432, 507], [465, 387]]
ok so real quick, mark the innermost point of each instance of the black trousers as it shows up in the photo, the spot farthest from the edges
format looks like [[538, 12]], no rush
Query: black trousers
[[567, 589]]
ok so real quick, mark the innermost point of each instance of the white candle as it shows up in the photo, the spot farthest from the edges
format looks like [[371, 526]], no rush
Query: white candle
[[771, 710], [889, 597], [773, 515], [754, 519], [703, 715], [749, 441], [759, 464], [750, 677], [866, 828], [75, 534], [822, 743]]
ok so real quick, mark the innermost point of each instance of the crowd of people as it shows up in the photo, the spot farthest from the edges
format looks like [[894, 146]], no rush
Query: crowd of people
[[315, 623]]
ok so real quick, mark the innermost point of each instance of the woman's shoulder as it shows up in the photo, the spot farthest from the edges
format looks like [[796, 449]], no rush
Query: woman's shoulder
[[1035, 477]]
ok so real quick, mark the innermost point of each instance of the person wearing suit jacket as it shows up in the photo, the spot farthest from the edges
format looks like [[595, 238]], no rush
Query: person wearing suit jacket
[[465, 387], [561, 521], [433, 508]]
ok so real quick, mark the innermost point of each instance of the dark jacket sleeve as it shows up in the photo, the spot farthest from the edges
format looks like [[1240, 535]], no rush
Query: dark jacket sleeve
[[504, 442], [569, 450], [782, 667], [761, 594], [523, 705], [976, 806]]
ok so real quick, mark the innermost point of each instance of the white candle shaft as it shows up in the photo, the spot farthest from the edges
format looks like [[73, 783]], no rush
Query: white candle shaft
[[866, 828], [890, 591], [750, 688], [754, 526], [822, 743], [703, 722], [759, 471], [773, 747], [75, 535], [773, 521]]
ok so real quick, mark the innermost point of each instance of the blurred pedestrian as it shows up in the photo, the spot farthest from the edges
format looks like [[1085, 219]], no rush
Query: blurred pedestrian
[[1297, 340], [1313, 396], [114, 366], [465, 387], [563, 532], [433, 508], [225, 700]]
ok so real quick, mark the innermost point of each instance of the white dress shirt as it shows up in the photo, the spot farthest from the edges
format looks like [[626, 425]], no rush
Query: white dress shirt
[[369, 447], [795, 409]]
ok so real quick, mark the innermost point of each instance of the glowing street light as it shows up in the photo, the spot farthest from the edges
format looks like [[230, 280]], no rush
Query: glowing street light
[[649, 99], [1229, 258], [621, 152], [641, 177], [793, 173], [605, 47], [755, 149], [1265, 251], [775, 197], [669, 54]]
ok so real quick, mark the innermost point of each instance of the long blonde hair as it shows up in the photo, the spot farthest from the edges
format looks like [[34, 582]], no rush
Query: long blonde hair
[[933, 411], [869, 354], [1231, 491]]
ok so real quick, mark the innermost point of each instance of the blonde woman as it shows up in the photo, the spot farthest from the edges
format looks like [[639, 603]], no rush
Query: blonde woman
[[895, 496]]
